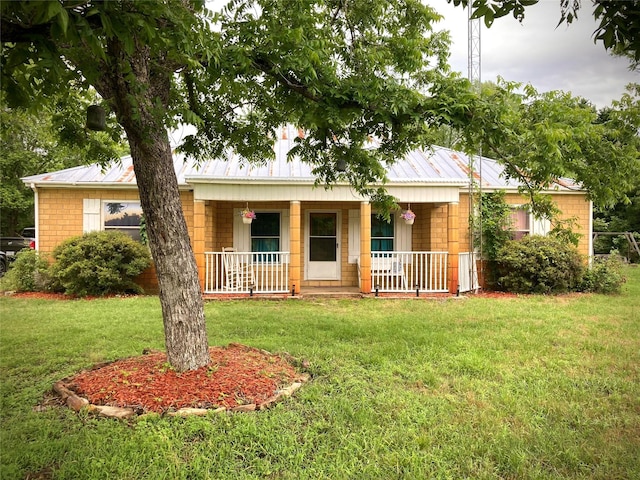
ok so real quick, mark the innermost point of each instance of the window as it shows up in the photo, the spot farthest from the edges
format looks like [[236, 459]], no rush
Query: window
[[520, 222], [123, 216], [381, 234], [265, 232], [323, 240]]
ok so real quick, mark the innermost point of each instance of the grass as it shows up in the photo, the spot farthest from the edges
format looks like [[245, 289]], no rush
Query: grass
[[526, 388]]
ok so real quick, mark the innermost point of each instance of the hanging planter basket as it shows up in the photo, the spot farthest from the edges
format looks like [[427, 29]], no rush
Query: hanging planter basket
[[408, 216], [247, 215]]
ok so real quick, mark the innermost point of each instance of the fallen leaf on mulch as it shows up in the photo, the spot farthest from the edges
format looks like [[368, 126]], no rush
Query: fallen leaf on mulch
[[237, 375]]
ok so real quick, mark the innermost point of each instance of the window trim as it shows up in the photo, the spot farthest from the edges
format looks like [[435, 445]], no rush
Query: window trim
[[242, 232], [515, 232]]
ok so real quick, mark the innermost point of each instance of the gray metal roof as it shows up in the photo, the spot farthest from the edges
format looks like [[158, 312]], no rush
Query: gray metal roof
[[437, 165]]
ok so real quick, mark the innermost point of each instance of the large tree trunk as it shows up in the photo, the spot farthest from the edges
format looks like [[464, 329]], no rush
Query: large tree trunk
[[180, 295]]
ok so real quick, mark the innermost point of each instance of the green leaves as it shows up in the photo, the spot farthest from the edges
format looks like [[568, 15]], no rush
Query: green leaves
[[345, 72], [542, 137]]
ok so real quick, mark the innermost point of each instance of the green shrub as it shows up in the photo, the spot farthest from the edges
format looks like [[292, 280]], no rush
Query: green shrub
[[29, 272], [537, 264], [604, 276], [99, 263]]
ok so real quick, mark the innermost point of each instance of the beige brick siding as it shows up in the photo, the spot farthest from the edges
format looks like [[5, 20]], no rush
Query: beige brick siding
[[61, 216], [573, 205]]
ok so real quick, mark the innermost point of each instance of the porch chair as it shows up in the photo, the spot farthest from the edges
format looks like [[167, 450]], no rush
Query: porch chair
[[388, 273], [238, 275]]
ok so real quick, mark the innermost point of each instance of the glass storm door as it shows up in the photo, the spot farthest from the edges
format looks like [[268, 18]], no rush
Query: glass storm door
[[323, 252]]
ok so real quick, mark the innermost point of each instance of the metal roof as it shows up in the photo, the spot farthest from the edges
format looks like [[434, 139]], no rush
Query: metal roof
[[433, 166]]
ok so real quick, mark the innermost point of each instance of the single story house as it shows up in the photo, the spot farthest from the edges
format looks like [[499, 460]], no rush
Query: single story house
[[303, 236]]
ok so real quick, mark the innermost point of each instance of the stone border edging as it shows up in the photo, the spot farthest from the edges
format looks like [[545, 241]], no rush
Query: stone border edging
[[78, 403]]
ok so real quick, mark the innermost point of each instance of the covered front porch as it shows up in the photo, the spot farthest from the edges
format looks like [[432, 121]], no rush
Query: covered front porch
[[391, 272], [330, 246]]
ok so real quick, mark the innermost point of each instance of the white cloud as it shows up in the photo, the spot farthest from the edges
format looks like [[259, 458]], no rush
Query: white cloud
[[563, 58]]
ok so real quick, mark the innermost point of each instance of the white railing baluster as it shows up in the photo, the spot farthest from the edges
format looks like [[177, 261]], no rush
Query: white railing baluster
[[400, 272], [404, 272], [270, 272]]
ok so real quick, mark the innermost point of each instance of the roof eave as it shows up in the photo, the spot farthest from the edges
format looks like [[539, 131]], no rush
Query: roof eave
[[94, 185]]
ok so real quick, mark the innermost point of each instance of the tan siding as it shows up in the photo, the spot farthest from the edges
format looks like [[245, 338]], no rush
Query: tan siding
[[572, 206], [463, 218], [61, 217]]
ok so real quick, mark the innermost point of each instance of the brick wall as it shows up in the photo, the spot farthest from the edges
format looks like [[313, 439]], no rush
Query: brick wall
[[577, 206], [60, 211]]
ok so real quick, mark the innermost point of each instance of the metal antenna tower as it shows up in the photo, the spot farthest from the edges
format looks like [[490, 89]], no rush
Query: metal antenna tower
[[474, 75], [473, 48]]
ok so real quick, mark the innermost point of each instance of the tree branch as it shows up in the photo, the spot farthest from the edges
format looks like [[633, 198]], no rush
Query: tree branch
[[266, 67], [13, 33]]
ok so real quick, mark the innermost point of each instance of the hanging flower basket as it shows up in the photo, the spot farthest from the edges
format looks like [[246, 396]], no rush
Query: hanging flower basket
[[247, 215], [408, 216]]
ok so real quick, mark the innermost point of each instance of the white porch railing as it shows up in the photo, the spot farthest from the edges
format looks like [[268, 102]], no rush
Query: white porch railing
[[468, 271], [409, 272], [246, 272]]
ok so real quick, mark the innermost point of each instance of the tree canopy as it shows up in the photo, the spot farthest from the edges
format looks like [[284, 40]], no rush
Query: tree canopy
[[345, 71], [542, 137]]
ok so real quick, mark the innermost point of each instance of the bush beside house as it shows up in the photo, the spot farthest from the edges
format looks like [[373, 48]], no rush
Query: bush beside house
[[97, 263], [604, 276], [551, 265], [537, 264], [28, 273]]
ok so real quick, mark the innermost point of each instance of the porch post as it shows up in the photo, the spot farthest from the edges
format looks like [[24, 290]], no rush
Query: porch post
[[453, 246], [295, 232], [365, 247], [199, 238]]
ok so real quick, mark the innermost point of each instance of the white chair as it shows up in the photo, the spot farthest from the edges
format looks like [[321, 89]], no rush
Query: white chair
[[238, 275], [388, 273]]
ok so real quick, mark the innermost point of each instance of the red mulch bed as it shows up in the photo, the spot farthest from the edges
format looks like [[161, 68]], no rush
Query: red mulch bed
[[42, 295], [61, 296], [237, 375]]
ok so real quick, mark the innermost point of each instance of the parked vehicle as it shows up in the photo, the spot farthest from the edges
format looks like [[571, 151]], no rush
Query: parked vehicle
[[9, 246], [29, 232]]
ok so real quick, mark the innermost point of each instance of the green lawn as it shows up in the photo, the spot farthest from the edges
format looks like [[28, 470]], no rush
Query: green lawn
[[532, 387]]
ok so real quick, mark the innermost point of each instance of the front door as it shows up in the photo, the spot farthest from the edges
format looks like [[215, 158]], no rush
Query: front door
[[323, 248]]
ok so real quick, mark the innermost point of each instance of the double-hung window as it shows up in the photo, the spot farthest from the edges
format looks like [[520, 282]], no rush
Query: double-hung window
[[382, 234], [124, 217], [520, 222], [265, 233]]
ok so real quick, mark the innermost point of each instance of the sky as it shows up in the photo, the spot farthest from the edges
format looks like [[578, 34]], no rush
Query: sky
[[536, 52]]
